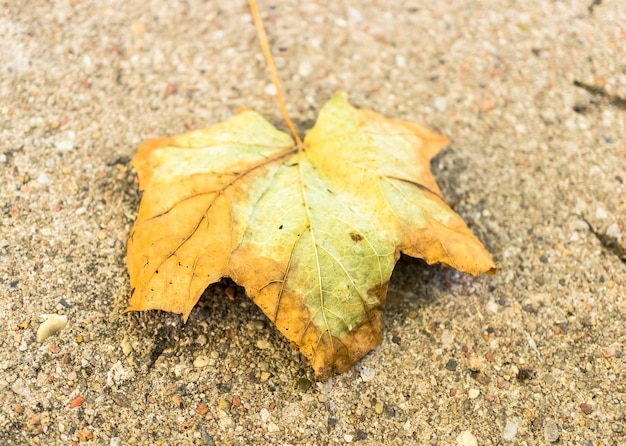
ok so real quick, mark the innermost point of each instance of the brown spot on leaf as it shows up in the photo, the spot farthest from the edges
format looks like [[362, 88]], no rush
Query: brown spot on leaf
[[356, 237]]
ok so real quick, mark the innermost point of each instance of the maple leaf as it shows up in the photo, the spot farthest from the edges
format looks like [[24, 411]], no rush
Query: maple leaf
[[312, 230]]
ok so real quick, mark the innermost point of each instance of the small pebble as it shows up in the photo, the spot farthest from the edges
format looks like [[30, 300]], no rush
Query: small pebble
[[466, 439], [270, 90], [451, 365], [305, 69], [200, 362], [473, 393], [492, 306], [475, 363], [65, 145], [53, 324], [202, 409], [255, 324], [303, 385], [551, 431], [586, 408], [264, 414], [43, 178], [354, 15], [272, 427], [126, 346], [440, 104], [510, 428], [447, 338], [20, 388], [367, 374], [222, 404], [77, 402], [388, 411], [400, 61], [263, 344], [326, 387], [379, 407], [613, 230]]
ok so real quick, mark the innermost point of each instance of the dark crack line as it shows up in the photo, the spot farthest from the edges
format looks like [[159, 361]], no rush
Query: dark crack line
[[593, 4], [608, 242], [614, 100]]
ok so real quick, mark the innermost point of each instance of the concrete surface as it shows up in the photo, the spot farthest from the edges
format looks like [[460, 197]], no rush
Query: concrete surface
[[531, 94]]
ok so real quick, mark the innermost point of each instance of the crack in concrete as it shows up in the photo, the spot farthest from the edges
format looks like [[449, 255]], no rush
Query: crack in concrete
[[612, 244], [596, 90]]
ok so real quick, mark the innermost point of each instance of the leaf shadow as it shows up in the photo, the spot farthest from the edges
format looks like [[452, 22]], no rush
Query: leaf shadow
[[240, 332], [422, 290], [415, 283]]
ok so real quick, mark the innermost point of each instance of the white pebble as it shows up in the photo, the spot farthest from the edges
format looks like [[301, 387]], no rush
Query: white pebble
[[367, 374], [270, 90], [348, 438], [305, 69], [613, 230], [510, 428], [272, 427], [327, 387], [466, 439], [492, 306], [473, 393], [53, 324], [20, 388], [447, 338], [43, 178], [354, 15], [65, 145], [440, 104], [400, 61], [601, 213], [551, 431], [264, 414]]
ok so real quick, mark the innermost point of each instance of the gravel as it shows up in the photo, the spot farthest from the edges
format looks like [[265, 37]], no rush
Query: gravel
[[532, 101]]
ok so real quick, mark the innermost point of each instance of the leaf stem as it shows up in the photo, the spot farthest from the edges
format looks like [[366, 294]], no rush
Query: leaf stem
[[265, 46]]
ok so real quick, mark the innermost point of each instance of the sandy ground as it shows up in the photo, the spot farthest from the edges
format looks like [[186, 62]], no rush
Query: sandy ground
[[531, 94]]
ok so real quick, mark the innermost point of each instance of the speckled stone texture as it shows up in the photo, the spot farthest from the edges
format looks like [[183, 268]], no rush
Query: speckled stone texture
[[531, 94]]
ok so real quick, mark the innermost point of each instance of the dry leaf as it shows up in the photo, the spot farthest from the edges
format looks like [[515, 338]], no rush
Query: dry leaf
[[312, 232]]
